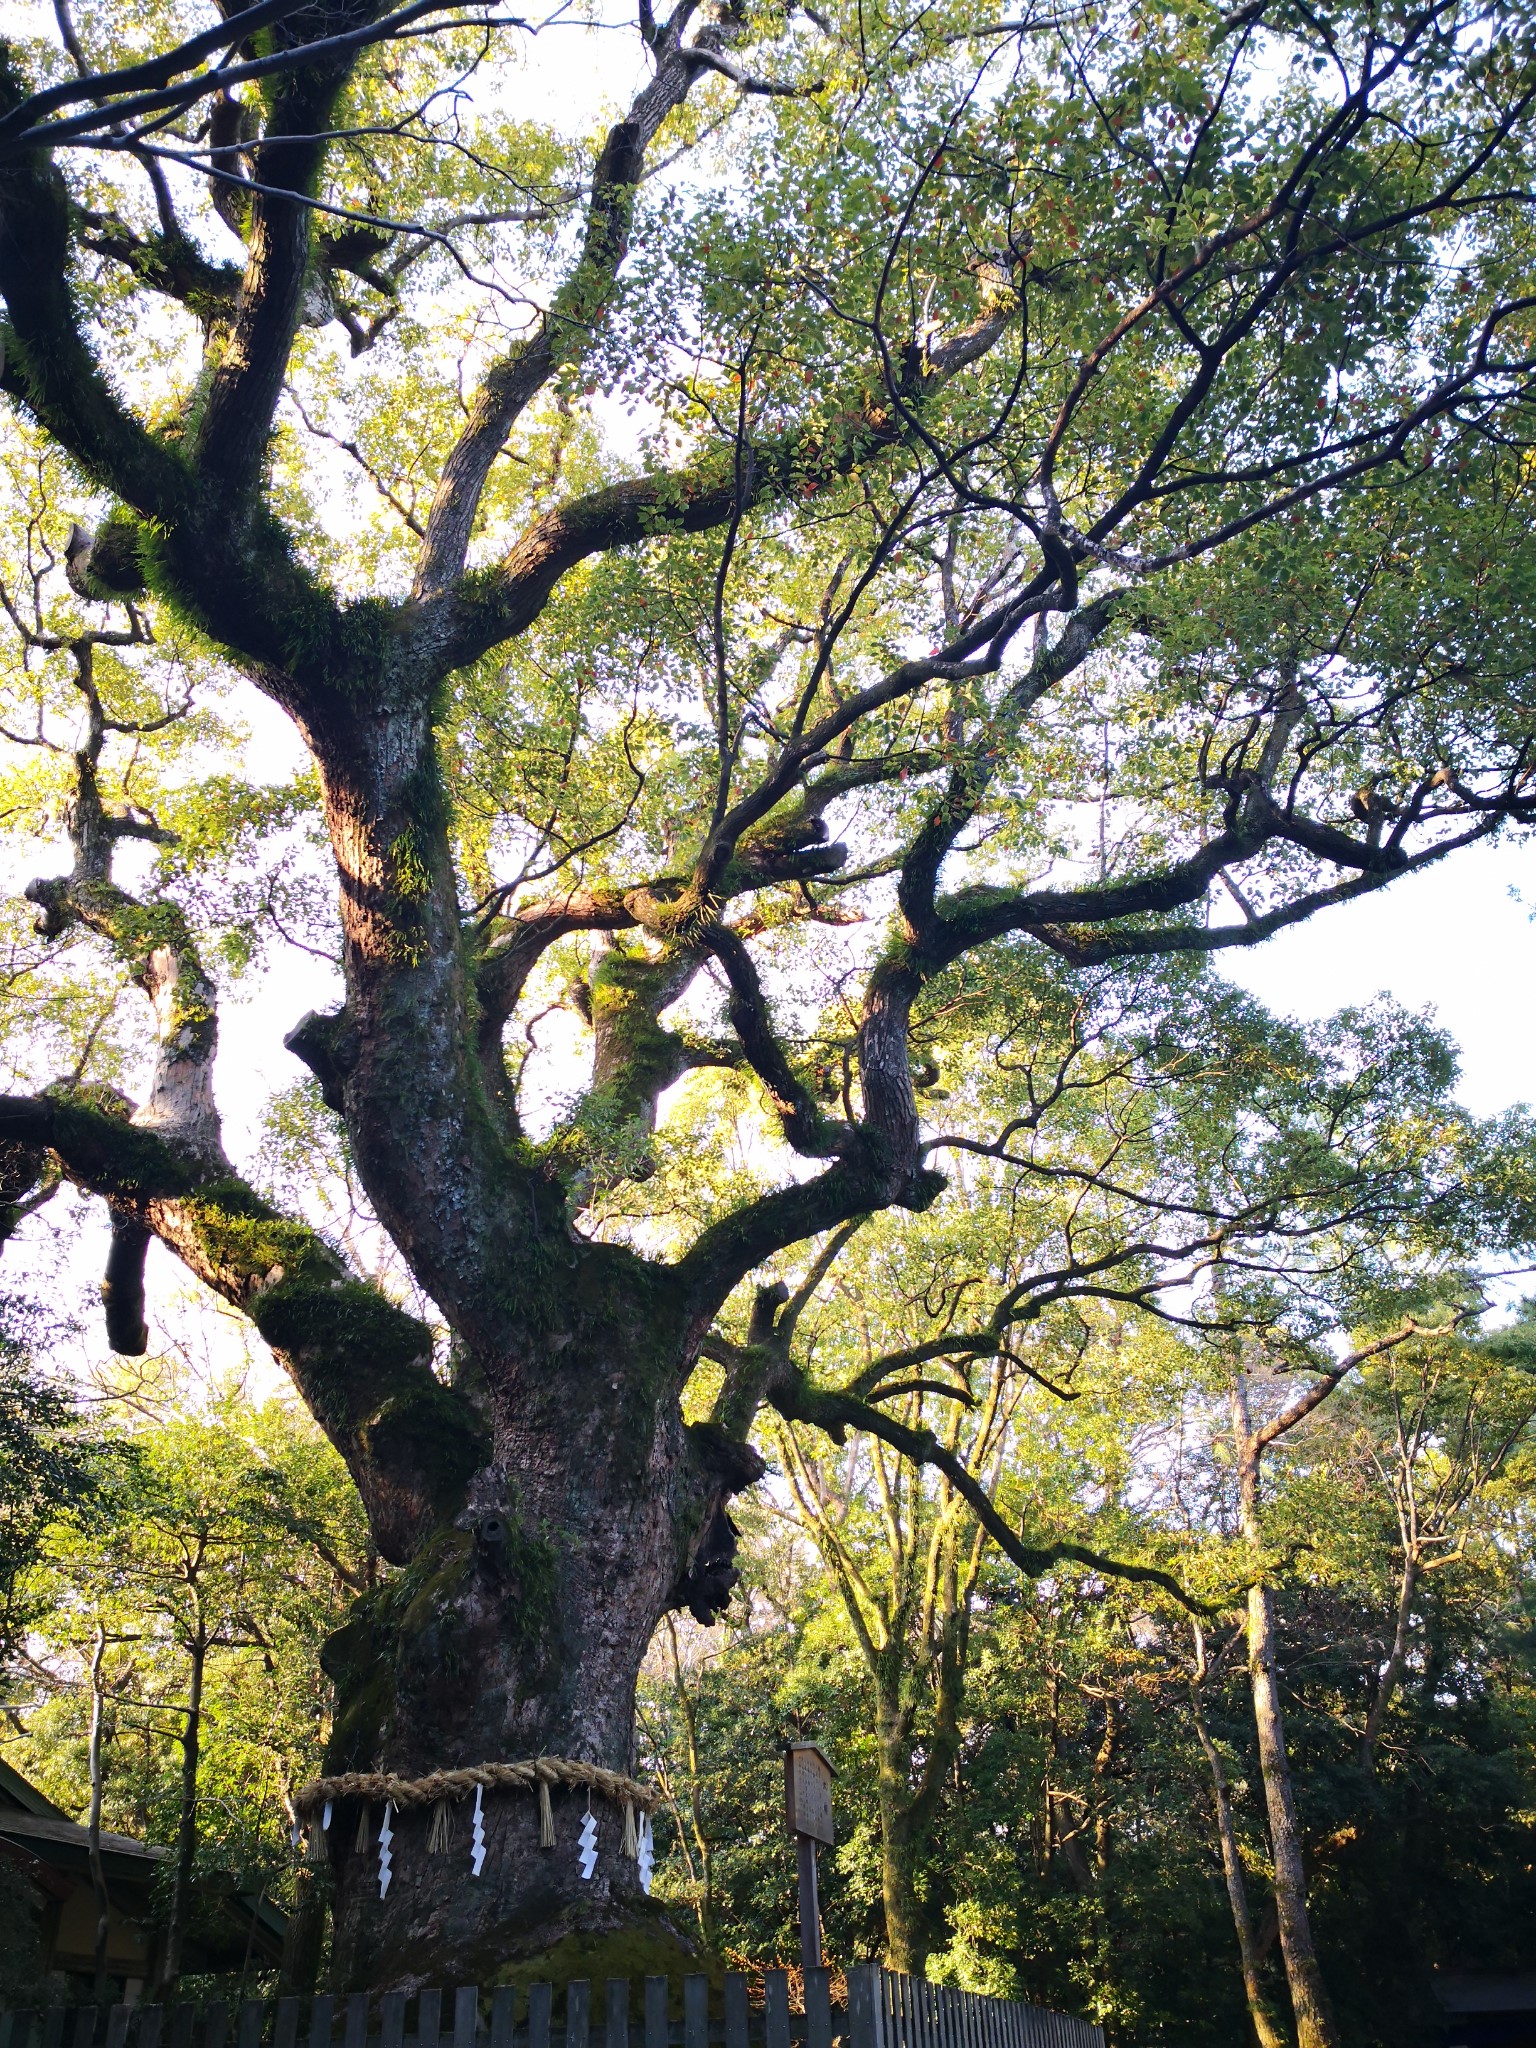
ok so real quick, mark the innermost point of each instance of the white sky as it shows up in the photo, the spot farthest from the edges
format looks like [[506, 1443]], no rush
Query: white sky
[[1457, 939]]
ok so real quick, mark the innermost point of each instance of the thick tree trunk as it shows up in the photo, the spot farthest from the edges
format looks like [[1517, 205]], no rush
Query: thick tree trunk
[[518, 1627], [546, 1510], [517, 1632]]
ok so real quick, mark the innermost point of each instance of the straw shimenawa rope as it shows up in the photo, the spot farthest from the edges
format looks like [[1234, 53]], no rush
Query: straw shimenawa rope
[[440, 1839], [537, 1774]]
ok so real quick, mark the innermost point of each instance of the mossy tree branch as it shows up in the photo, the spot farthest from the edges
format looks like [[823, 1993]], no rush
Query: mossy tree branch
[[362, 1365], [49, 365], [575, 312], [287, 159], [635, 1058], [170, 264]]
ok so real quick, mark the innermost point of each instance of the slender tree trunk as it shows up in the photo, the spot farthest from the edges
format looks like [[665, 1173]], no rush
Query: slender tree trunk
[[914, 1636], [1048, 1842], [1315, 2027], [1267, 2030], [1397, 1660], [1103, 1762], [1309, 1998], [98, 1869], [908, 1814], [305, 1934], [703, 1848], [186, 1827], [906, 1932]]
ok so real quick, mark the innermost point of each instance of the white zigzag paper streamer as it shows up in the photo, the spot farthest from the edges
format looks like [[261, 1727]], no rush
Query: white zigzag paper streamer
[[325, 1819], [647, 1858], [386, 1836], [294, 1832], [477, 1835], [587, 1845]]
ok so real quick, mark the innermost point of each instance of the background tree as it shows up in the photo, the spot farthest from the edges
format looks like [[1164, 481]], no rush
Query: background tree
[[1084, 502], [907, 1585], [48, 1464], [1075, 1857], [172, 1683], [1441, 1423]]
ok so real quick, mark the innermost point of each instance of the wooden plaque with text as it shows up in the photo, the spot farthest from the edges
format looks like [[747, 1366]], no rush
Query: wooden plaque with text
[[808, 1792]]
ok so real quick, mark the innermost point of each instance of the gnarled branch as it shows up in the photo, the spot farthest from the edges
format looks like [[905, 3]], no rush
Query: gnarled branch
[[362, 1365], [836, 1414]]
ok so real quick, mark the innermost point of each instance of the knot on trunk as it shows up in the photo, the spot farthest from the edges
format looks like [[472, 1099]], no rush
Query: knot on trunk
[[106, 564], [122, 1286], [329, 1047], [55, 912], [706, 1585], [726, 1466]]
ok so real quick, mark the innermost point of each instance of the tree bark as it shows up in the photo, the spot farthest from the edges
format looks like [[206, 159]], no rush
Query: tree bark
[[1267, 2030], [186, 1825], [516, 1632], [1315, 2026], [98, 1869], [1397, 1659]]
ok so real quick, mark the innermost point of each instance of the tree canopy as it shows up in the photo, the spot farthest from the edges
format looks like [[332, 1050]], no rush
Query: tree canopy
[[766, 636]]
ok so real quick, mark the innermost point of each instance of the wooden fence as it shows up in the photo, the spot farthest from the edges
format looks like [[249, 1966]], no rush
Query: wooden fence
[[883, 2009]]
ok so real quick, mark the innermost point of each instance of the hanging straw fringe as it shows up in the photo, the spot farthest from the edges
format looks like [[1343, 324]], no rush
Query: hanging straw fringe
[[361, 1844], [546, 1817], [631, 1839], [404, 1793], [315, 1854], [441, 1833]]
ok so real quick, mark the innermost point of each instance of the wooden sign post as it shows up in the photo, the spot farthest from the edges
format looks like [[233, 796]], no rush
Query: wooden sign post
[[808, 1810]]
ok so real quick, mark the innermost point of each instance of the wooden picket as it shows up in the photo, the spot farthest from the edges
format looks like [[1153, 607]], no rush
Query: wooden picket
[[884, 2009]]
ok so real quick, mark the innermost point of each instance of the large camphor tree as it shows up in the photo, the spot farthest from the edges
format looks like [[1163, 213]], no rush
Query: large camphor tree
[[916, 508]]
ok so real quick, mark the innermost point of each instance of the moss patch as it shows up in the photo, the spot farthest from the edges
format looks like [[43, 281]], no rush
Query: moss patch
[[649, 1944], [113, 1156], [362, 1659]]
